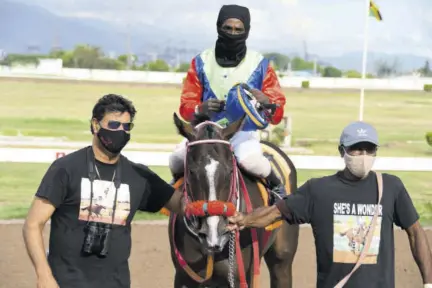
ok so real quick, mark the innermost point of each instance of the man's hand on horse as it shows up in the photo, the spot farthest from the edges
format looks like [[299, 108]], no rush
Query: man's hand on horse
[[211, 105], [237, 222]]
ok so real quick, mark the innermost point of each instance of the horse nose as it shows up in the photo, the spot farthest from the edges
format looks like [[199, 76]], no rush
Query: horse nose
[[217, 247], [214, 248]]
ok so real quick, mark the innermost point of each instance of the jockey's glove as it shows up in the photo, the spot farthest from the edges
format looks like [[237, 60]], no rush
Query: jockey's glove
[[211, 105], [257, 94]]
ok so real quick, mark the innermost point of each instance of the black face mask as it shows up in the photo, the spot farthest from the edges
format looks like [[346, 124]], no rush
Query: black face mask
[[113, 141], [230, 48]]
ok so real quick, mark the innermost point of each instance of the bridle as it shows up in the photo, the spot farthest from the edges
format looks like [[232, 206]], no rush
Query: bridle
[[234, 240], [233, 194]]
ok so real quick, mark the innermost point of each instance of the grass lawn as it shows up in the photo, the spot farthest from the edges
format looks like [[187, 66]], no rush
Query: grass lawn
[[19, 182], [63, 109]]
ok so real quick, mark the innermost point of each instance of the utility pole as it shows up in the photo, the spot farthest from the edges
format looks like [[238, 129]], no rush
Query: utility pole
[[128, 38], [128, 47]]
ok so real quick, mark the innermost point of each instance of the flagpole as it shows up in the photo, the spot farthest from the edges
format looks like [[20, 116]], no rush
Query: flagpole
[[364, 60]]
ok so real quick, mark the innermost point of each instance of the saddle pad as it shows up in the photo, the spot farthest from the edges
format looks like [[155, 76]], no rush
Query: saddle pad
[[278, 163], [282, 170]]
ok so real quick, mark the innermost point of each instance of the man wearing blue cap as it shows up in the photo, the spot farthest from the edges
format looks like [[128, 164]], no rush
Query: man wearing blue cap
[[341, 208]]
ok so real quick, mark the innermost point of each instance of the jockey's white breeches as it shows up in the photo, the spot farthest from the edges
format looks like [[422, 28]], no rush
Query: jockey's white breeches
[[247, 149]]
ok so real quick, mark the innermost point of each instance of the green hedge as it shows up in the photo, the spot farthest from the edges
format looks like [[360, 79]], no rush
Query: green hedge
[[429, 138], [305, 84], [427, 87]]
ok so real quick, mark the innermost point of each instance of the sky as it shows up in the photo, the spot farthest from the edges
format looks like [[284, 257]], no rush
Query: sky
[[329, 27]]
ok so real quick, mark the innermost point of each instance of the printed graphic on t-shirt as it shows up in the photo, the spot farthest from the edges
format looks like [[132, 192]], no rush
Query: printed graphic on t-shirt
[[101, 208], [351, 223]]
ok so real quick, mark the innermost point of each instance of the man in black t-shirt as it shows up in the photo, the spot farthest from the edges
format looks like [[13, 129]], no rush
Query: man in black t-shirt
[[340, 208], [91, 197]]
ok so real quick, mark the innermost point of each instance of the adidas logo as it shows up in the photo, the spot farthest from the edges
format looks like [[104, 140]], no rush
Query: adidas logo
[[361, 132]]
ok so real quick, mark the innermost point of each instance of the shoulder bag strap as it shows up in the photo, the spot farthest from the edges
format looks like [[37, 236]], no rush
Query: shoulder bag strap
[[369, 235]]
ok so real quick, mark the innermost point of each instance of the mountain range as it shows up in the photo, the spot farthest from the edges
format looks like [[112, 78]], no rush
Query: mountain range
[[28, 28]]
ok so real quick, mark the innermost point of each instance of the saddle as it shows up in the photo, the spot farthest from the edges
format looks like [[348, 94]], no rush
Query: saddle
[[279, 165]]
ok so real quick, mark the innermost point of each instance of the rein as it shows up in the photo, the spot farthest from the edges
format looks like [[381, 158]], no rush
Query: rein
[[219, 208]]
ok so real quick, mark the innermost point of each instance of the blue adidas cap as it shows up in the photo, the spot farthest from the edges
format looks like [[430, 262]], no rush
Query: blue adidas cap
[[357, 132]]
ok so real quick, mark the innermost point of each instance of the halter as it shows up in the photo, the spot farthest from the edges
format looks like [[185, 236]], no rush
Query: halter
[[209, 208]]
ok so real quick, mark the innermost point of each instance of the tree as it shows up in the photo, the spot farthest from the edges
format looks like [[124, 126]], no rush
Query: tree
[[298, 64], [86, 56], [158, 65], [109, 64], [425, 71], [386, 69], [22, 59], [331, 71], [66, 56], [124, 59], [280, 61], [183, 67]]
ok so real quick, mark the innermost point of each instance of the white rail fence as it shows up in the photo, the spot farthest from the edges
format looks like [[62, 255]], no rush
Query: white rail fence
[[158, 158], [56, 72]]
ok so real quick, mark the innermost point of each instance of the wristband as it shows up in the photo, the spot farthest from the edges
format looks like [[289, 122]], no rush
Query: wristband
[[197, 109], [429, 285]]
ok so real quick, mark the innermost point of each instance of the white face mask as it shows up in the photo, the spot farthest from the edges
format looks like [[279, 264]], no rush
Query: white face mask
[[359, 165]]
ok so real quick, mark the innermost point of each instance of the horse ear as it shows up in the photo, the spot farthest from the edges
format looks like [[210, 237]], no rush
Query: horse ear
[[183, 128], [229, 131]]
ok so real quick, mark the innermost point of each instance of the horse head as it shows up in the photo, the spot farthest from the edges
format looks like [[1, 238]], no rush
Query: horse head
[[209, 167]]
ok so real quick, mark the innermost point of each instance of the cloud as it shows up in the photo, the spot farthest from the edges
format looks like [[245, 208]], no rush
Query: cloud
[[329, 27], [289, 2]]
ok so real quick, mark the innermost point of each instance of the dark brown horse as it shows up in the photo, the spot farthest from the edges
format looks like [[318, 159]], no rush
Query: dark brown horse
[[95, 209], [199, 242]]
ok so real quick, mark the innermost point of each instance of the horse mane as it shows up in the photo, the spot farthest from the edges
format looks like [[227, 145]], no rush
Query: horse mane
[[209, 132], [199, 118]]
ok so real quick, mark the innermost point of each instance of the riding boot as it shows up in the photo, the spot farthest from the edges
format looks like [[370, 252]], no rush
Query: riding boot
[[276, 187]]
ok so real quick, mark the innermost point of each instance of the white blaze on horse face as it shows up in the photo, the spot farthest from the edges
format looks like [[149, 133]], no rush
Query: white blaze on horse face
[[212, 221]]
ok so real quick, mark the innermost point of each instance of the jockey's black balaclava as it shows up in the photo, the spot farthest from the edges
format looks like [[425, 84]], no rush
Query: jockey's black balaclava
[[231, 49]]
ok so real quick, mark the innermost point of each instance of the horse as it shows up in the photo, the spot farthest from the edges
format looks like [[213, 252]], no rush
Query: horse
[[198, 243], [94, 209], [356, 237]]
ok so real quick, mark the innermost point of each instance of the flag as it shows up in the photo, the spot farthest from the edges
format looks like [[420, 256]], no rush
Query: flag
[[374, 11]]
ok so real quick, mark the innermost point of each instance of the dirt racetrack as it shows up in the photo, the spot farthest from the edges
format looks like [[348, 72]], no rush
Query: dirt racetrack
[[151, 266]]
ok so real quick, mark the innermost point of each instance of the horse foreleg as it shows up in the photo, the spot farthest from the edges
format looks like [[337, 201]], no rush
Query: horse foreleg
[[280, 256]]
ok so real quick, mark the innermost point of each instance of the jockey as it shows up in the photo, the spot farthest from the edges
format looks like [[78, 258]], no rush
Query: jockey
[[211, 76]]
